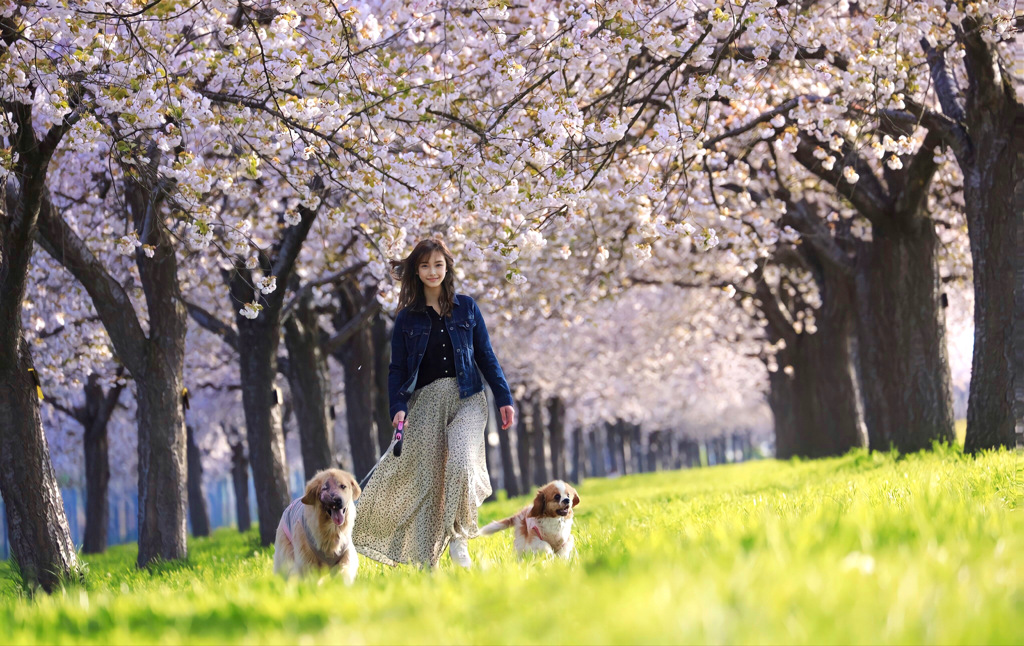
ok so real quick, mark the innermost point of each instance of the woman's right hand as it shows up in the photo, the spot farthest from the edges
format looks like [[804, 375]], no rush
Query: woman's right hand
[[399, 418]]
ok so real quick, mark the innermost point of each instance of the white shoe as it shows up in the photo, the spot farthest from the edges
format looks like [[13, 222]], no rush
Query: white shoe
[[458, 551]]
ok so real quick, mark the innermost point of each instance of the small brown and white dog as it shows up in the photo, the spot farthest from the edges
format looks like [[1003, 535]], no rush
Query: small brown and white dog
[[315, 531], [544, 526]]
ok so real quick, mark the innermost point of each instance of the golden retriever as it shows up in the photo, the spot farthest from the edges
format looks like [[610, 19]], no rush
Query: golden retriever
[[315, 531], [544, 526]]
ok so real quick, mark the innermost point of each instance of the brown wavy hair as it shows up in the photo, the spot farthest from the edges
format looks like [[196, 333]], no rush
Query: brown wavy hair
[[406, 273]]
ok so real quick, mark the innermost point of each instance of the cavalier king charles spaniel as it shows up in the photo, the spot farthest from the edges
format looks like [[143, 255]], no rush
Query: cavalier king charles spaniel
[[544, 526]]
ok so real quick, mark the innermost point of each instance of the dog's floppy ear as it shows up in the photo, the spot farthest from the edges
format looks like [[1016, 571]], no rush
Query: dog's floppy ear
[[575, 498], [538, 504], [312, 489], [356, 491]]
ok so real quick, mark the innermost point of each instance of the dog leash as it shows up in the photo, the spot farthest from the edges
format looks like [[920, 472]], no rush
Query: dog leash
[[397, 450]]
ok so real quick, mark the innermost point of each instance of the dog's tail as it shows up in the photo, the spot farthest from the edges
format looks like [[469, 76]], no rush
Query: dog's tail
[[496, 526]]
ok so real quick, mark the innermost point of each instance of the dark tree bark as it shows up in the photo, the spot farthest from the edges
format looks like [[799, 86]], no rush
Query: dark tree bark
[[636, 450], [540, 461], [262, 403], [357, 359], [156, 360], [599, 452], [382, 359], [197, 511], [616, 438], [240, 479], [903, 364], [985, 129], [94, 417], [37, 527], [524, 441], [579, 456], [509, 471], [813, 393], [99, 406], [258, 367], [310, 387], [556, 428], [97, 484]]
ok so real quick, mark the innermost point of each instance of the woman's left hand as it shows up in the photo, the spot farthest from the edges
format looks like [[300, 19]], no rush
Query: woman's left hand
[[508, 416]]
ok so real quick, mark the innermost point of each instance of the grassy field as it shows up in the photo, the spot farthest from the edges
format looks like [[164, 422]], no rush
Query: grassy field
[[859, 549]]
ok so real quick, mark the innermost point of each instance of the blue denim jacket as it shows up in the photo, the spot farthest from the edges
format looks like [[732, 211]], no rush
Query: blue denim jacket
[[473, 354]]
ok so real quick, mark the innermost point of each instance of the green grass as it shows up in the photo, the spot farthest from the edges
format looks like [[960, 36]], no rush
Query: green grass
[[859, 549]]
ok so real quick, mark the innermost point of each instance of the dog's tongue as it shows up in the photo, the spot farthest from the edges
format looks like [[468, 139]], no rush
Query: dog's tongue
[[338, 516]]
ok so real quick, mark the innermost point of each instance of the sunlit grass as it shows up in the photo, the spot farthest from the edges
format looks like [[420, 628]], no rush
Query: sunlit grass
[[860, 549]]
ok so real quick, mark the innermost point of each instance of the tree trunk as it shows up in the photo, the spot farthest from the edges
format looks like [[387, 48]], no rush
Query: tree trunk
[[994, 205], [37, 529], [523, 442], [813, 394], [510, 475], [556, 427], [904, 366], [197, 511], [310, 389], [617, 446], [579, 456], [98, 408], [262, 405], [261, 402], [636, 449], [382, 359], [357, 360], [540, 461], [240, 480], [163, 470], [599, 452]]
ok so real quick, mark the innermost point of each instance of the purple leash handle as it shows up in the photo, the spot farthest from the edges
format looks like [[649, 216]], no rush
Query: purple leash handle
[[398, 439]]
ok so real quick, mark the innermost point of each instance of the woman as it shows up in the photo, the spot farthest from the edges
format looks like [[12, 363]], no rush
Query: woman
[[416, 503]]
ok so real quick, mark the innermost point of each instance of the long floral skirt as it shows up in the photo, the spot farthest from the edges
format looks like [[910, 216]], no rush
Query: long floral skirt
[[414, 504]]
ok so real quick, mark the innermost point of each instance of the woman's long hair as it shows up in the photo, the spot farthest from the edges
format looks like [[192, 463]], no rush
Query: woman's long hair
[[406, 271]]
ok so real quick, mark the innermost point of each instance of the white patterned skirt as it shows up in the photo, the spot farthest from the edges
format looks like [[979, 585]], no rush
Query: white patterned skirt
[[414, 504]]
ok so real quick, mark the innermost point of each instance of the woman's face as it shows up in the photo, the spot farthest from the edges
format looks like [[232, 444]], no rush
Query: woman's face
[[432, 270]]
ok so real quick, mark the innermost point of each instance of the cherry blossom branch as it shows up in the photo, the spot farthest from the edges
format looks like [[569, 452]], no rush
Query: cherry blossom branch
[[783, 110], [213, 324], [301, 293], [110, 299], [867, 195]]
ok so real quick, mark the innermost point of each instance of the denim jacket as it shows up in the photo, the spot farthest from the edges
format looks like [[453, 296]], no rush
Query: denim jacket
[[473, 354]]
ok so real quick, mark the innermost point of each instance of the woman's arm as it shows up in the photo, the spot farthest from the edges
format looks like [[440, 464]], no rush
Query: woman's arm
[[398, 369], [484, 355]]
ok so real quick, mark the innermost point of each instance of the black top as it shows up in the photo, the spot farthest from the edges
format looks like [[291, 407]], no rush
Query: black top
[[439, 358]]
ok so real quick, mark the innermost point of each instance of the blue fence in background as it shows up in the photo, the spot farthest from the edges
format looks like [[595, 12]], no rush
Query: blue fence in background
[[123, 524]]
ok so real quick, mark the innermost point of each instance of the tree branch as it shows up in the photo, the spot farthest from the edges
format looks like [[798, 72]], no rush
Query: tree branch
[[942, 82], [916, 178], [210, 322], [333, 343], [108, 296], [868, 195]]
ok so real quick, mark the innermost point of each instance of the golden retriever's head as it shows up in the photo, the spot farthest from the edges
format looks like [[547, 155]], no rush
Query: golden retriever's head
[[331, 491], [555, 500]]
